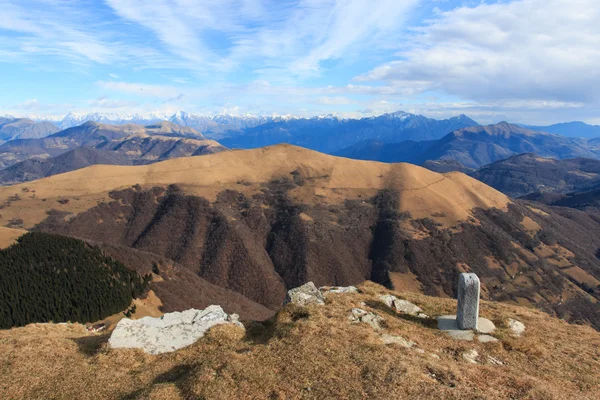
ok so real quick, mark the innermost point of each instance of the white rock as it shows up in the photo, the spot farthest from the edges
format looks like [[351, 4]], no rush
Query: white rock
[[358, 315], [471, 356], [304, 295], [486, 339], [338, 289], [516, 327], [400, 305], [391, 339], [170, 332]]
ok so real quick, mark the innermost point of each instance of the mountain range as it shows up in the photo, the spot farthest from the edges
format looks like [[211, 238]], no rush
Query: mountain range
[[475, 146], [330, 135], [135, 143], [529, 173], [24, 128], [570, 129], [258, 222]]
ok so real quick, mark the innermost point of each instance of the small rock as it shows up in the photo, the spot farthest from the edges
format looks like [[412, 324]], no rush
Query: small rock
[[338, 289], [486, 339], [359, 315], [471, 356], [421, 315], [516, 327], [391, 339], [433, 355], [484, 325], [494, 361], [400, 305], [304, 295], [420, 351]]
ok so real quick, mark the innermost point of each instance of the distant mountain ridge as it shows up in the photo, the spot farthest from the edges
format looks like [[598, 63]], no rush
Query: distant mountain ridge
[[135, 144], [332, 135], [24, 128], [528, 173], [476, 146], [249, 131], [570, 129]]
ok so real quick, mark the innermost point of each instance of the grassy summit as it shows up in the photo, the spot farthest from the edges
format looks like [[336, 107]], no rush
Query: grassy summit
[[315, 353]]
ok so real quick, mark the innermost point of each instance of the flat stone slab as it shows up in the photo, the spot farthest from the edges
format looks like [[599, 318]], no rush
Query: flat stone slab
[[449, 324], [170, 332], [486, 339], [338, 289]]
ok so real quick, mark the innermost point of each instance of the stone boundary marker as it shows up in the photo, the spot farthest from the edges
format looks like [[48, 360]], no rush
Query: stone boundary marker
[[467, 315]]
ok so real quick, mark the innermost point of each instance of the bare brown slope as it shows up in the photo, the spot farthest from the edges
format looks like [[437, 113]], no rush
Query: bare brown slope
[[422, 193], [262, 221]]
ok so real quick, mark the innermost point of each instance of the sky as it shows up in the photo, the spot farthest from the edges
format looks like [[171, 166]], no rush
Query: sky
[[527, 61]]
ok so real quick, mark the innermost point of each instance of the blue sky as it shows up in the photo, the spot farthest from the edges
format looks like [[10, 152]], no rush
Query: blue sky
[[532, 61]]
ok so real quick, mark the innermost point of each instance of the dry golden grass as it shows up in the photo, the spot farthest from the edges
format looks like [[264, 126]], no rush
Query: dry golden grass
[[313, 353], [9, 236], [445, 197]]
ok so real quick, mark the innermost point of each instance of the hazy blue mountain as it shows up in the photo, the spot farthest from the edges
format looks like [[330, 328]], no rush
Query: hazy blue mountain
[[24, 128], [476, 146], [528, 173], [570, 129], [90, 134], [330, 134], [81, 157]]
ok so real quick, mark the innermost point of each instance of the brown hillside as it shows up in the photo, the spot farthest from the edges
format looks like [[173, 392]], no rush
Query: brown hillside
[[259, 222], [422, 193], [314, 353]]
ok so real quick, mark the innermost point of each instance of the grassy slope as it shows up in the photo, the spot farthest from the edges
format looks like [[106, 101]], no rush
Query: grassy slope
[[313, 353]]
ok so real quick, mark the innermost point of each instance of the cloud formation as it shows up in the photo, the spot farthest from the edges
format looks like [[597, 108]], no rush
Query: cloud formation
[[524, 60], [538, 50]]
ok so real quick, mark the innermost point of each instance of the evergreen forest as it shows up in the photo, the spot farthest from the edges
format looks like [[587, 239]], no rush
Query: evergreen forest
[[46, 277]]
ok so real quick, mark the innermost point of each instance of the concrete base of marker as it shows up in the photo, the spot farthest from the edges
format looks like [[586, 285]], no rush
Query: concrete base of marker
[[449, 324]]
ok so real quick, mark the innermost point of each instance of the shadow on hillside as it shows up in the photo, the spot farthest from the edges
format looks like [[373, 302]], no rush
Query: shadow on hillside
[[277, 326], [92, 345], [177, 375], [380, 306]]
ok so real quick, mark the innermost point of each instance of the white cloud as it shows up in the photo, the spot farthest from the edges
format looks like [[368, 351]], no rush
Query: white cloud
[[526, 50], [114, 76], [265, 35]]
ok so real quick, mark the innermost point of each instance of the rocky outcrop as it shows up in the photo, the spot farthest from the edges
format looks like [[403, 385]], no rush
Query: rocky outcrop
[[358, 315], [305, 295], [170, 332], [402, 306]]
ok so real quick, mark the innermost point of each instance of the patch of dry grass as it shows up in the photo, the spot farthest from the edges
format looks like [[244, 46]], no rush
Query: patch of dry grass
[[313, 353]]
